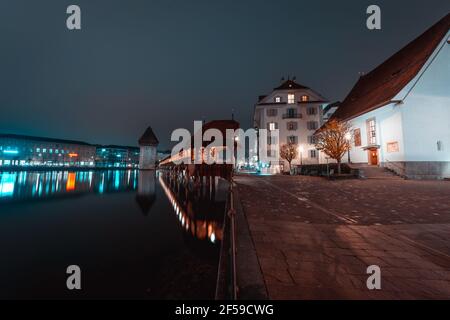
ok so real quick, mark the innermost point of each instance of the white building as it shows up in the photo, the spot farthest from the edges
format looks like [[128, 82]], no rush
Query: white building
[[400, 111], [296, 111]]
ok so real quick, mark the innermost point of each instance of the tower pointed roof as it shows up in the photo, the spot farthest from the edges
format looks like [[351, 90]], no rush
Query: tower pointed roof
[[148, 138]]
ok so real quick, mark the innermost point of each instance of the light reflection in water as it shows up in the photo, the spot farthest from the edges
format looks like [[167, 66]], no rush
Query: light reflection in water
[[201, 225], [199, 215], [40, 185]]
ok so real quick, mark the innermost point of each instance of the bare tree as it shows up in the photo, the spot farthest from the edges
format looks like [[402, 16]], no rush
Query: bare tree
[[289, 152], [333, 140]]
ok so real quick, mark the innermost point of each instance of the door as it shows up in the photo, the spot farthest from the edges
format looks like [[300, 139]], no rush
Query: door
[[373, 157]]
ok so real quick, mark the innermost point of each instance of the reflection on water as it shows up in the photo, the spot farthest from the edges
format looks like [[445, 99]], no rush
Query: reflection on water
[[195, 206], [156, 234], [26, 185]]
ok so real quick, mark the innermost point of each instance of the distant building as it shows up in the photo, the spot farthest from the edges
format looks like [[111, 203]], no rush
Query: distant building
[[30, 151], [296, 111], [20, 150], [117, 156], [329, 110], [400, 111]]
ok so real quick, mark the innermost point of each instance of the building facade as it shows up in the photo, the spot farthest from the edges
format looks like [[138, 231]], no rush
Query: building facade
[[29, 151], [400, 112], [116, 156], [296, 111], [19, 150]]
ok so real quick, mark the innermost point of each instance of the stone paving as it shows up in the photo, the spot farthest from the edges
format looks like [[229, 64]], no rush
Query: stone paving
[[315, 238]]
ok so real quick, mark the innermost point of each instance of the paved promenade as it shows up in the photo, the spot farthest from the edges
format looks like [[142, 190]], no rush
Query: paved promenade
[[315, 238]]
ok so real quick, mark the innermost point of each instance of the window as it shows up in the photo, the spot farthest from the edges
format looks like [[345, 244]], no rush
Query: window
[[50, 150], [357, 137], [392, 147], [311, 139], [270, 153], [271, 140], [291, 98], [277, 99], [272, 112], [313, 153], [38, 149], [311, 111], [372, 131], [439, 146], [291, 113], [44, 150], [305, 98], [292, 139], [272, 126], [312, 125], [292, 126]]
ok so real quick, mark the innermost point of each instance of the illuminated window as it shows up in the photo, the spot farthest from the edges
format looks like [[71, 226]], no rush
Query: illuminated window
[[272, 126], [291, 98], [50, 150], [44, 150], [56, 151], [38, 149], [305, 98], [277, 99], [372, 131]]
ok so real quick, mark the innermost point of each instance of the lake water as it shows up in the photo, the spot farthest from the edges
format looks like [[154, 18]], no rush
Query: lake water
[[134, 234]]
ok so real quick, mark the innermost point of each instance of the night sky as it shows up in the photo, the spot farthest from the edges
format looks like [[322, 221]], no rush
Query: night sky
[[166, 63]]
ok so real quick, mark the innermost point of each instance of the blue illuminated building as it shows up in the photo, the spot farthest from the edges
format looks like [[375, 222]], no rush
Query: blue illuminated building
[[19, 151]]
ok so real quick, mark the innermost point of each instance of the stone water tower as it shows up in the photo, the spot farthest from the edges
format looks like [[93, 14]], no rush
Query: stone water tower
[[148, 156]]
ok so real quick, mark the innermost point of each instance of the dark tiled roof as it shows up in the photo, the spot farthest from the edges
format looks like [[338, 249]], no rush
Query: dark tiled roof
[[148, 138], [42, 139], [380, 86], [289, 85]]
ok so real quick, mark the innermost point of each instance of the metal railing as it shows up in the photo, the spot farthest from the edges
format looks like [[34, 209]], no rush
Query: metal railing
[[292, 116], [232, 216]]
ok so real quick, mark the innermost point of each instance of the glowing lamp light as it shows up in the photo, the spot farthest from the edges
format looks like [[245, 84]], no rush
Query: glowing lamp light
[[72, 155], [348, 136]]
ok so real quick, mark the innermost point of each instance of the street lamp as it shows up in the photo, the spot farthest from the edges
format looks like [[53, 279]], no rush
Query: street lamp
[[348, 137], [257, 147]]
